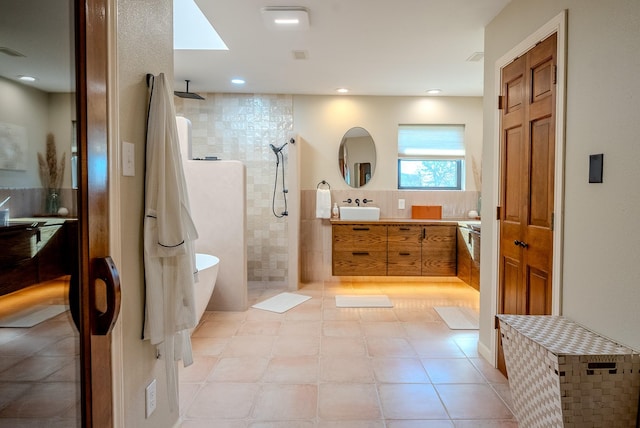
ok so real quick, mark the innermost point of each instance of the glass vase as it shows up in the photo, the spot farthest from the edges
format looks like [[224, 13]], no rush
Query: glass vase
[[52, 204]]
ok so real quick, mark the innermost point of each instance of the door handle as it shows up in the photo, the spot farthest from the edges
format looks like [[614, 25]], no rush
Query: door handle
[[520, 243], [104, 269]]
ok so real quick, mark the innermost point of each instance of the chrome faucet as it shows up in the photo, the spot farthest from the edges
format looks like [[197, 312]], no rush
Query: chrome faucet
[[358, 202]]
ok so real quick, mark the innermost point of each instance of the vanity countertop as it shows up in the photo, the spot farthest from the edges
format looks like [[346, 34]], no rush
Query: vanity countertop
[[444, 221]]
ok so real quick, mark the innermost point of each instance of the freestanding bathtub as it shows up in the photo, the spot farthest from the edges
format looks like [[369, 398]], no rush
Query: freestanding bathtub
[[207, 266]]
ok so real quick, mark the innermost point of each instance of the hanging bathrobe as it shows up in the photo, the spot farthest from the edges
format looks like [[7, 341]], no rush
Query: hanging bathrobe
[[169, 235]]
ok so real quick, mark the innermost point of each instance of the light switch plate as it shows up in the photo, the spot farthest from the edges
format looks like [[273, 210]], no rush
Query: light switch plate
[[400, 204], [128, 159]]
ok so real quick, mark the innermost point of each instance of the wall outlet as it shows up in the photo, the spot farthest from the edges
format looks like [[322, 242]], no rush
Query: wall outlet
[[150, 398], [400, 204]]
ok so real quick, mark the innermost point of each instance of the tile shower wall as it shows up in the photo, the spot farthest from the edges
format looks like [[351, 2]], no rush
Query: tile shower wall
[[241, 127]]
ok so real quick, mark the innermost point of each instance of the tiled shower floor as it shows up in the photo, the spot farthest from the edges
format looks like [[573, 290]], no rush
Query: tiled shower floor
[[321, 366]]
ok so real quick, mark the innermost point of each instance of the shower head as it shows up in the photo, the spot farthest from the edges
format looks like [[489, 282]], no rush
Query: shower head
[[277, 150], [188, 94]]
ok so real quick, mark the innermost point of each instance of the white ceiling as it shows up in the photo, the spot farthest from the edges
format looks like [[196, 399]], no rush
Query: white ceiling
[[372, 47]]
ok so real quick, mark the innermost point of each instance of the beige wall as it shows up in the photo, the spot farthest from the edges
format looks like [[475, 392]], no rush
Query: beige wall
[[145, 45], [601, 256], [322, 121]]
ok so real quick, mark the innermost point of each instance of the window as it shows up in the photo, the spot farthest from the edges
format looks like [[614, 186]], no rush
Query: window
[[430, 157]]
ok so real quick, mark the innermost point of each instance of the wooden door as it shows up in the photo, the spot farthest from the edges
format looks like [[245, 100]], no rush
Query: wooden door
[[98, 286], [527, 148]]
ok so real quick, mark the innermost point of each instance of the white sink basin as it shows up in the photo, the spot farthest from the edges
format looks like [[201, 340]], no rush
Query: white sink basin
[[360, 213]]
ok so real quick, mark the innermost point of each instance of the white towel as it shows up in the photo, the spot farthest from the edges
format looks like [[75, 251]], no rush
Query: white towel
[[323, 203]]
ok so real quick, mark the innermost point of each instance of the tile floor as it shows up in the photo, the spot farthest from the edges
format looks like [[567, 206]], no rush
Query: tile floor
[[39, 366], [321, 366]]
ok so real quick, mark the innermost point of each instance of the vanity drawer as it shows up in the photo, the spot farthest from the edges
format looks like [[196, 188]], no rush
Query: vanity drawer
[[359, 237], [366, 262], [402, 237], [405, 262]]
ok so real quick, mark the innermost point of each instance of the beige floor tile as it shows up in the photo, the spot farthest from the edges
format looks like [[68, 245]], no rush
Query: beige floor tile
[[341, 329], [382, 328], [208, 345], [259, 328], [296, 345], [239, 369], [472, 401], [348, 402], [239, 346], [186, 393], [217, 329], [389, 347], [411, 401], [450, 370], [223, 401], [425, 423], [286, 402], [198, 371], [300, 328], [326, 367], [377, 314], [292, 370], [216, 423], [343, 369], [351, 424], [399, 370], [283, 424], [430, 348], [492, 374], [333, 346]]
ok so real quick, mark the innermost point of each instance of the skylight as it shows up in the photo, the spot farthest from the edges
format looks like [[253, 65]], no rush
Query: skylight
[[192, 30]]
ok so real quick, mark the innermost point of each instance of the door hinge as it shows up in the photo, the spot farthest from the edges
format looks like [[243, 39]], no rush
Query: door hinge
[[500, 102], [555, 74], [496, 322], [553, 221], [498, 212]]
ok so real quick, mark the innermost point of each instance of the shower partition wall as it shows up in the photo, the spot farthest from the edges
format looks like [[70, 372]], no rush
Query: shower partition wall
[[241, 127]]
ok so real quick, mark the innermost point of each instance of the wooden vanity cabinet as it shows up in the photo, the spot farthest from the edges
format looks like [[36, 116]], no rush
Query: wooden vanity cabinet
[[394, 249], [439, 251], [404, 250], [359, 249]]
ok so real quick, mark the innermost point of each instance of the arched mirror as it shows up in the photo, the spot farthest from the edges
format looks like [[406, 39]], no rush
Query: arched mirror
[[357, 157]]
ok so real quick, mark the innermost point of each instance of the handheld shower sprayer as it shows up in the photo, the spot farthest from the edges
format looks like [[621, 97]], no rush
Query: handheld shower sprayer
[[278, 152]]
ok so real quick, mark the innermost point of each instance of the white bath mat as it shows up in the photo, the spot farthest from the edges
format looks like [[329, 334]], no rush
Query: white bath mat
[[363, 301], [281, 302], [458, 318], [32, 316]]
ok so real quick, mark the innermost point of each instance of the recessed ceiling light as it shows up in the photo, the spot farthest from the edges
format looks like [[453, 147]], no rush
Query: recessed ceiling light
[[238, 81], [286, 17], [342, 90], [27, 78], [434, 91]]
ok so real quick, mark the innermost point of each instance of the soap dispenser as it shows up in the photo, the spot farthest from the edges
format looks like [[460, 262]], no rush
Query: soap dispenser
[[336, 211]]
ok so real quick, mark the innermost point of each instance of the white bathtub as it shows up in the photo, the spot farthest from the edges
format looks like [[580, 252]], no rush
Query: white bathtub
[[207, 266]]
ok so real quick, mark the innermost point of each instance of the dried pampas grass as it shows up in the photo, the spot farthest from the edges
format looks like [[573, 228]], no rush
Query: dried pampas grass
[[51, 171]]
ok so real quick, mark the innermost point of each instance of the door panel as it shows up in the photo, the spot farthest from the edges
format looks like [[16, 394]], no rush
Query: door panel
[[527, 183], [539, 294]]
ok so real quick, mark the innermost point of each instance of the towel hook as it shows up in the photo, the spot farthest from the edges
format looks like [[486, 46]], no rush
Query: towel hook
[[323, 182]]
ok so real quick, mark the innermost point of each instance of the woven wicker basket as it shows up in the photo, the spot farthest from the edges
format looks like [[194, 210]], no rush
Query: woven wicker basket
[[563, 375]]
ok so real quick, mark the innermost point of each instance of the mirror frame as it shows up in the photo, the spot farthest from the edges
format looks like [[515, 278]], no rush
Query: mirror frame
[[357, 174]]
